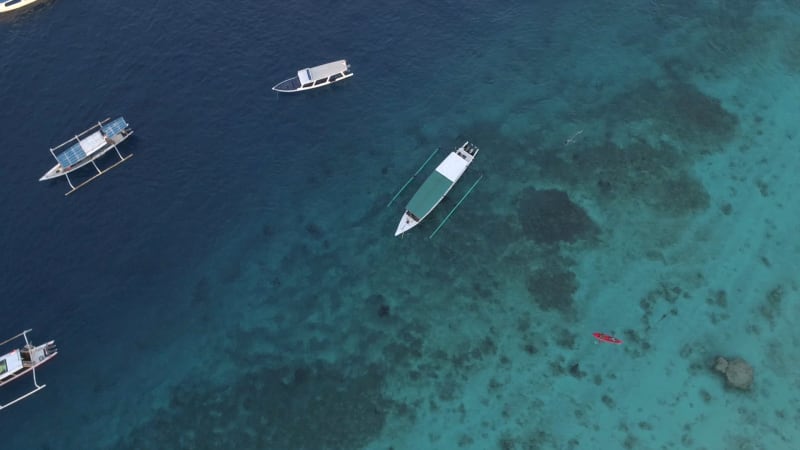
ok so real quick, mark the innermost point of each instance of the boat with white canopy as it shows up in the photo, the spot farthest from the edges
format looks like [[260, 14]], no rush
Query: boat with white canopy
[[315, 77], [22, 361], [87, 147]]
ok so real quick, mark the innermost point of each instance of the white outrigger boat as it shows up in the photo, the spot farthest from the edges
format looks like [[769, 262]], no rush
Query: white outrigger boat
[[11, 5], [438, 184], [24, 360], [86, 148], [315, 77]]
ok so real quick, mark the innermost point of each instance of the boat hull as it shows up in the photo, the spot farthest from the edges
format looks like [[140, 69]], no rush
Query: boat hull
[[293, 84], [58, 171], [436, 187], [13, 5]]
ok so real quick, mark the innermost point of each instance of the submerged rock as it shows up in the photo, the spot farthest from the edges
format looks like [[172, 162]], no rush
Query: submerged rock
[[738, 373]]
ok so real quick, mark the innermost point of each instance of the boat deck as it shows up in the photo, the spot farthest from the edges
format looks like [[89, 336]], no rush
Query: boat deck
[[88, 145], [23, 361], [439, 183], [428, 195], [292, 84]]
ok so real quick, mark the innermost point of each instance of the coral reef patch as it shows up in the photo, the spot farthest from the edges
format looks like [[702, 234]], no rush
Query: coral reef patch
[[553, 288], [278, 407], [655, 177], [550, 217], [680, 109], [738, 373]]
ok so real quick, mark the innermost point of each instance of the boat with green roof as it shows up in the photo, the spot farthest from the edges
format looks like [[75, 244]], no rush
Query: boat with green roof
[[438, 184]]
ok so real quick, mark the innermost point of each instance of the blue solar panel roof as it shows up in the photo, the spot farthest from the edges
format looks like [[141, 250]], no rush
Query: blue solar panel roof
[[76, 152], [71, 155], [115, 126]]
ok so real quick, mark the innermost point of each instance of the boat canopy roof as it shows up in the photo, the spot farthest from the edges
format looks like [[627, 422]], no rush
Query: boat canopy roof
[[10, 363], [115, 127], [429, 195], [452, 167], [81, 149], [320, 72], [85, 146], [436, 186]]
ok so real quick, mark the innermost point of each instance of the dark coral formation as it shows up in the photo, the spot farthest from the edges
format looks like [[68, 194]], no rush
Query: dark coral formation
[[679, 108], [657, 177], [306, 407], [378, 301], [771, 307], [550, 217], [738, 373], [632, 164], [553, 288], [534, 439]]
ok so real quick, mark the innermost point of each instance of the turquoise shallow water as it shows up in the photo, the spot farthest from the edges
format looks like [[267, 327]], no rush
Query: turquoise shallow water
[[237, 285]]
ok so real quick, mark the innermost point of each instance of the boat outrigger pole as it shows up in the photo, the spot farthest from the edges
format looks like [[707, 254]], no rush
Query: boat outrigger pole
[[122, 159], [23, 361], [87, 148], [454, 207], [99, 172], [412, 178]]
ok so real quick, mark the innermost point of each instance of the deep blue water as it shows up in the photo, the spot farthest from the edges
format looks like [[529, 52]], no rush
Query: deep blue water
[[235, 284], [215, 150]]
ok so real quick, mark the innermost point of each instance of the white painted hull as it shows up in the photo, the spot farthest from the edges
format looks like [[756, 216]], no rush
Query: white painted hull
[[278, 88], [58, 171], [407, 222], [13, 5]]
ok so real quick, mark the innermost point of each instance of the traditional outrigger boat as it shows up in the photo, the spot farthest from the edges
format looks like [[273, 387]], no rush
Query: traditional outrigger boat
[[22, 361], [315, 77], [12, 5], [436, 186], [87, 147]]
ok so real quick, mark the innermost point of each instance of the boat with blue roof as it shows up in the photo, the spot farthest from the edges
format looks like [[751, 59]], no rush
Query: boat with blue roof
[[86, 147], [316, 77]]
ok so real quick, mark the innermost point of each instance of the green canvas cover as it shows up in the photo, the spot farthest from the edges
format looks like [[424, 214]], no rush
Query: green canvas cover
[[428, 195]]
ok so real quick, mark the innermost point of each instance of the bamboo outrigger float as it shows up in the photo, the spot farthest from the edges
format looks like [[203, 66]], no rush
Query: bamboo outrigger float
[[21, 361], [87, 147], [435, 187]]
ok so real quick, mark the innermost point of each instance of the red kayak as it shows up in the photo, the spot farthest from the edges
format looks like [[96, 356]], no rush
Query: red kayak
[[602, 337]]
